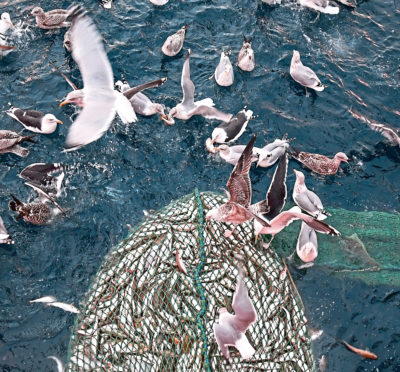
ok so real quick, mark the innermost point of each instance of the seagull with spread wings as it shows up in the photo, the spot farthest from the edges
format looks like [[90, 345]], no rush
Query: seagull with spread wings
[[232, 328], [188, 107], [237, 210]]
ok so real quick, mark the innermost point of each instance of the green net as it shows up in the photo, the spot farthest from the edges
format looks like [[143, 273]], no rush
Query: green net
[[368, 248], [143, 313]]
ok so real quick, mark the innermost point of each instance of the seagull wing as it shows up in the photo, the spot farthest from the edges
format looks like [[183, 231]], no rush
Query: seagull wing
[[212, 113], [186, 83], [245, 313], [239, 184], [305, 76], [277, 192], [129, 93], [99, 110]]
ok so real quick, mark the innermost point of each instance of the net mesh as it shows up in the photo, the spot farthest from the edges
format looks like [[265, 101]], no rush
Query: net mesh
[[144, 313]]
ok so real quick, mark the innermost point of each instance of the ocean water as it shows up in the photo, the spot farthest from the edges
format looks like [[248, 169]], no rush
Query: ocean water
[[148, 164]]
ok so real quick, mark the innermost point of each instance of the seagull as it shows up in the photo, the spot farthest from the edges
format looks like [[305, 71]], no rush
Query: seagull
[[306, 199], [323, 6], [10, 142], [188, 107], [224, 71], [231, 329], [53, 19], [270, 153], [5, 23], [98, 95], [307, 243], [230, 131], [304, 75], [37, 212], [5, 237], [392, 134], [174, 43], [246, 56], [276, 195], [106, 4], [236, 210], [35, 121], [284, 219], [124, 108], [320, 164], [42, 176], [232, 154], [141, 104]]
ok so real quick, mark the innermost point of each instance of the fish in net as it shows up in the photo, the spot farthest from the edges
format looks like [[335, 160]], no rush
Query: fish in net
[[155, 299]]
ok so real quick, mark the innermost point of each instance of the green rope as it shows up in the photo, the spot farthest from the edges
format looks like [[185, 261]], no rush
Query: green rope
[[199, 287]]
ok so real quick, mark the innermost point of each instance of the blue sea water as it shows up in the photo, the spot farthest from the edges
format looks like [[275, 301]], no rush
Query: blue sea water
[[148, 164]]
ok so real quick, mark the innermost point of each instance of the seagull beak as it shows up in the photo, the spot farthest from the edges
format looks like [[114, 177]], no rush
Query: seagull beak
[[216, 148], [59, 121], [63, 103], [256, 238], [167, 121], [11, 24]]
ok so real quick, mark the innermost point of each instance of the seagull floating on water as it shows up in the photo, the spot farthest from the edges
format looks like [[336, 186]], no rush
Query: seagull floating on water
[[232, 154], [304, 75], [231, 329], [37, 212], [224, 71], [320, 164], [10, 142], [307, 243], [188, 107], [35, 121], [230, 131], [159, 2], [55, 18], [323, 6], [246, 60], [270, 153], [306, 199], [174, 43]]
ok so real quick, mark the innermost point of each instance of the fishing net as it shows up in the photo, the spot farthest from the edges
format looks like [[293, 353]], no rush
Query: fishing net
[[368, 248], [144, 313]]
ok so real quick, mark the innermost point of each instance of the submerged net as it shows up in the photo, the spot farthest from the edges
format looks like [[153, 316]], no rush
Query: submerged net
[[143, 313]]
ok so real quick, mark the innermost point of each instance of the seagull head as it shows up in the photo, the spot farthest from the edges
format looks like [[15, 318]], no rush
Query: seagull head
[[299, 176], [296, 57], [5, 17], [264, 156], [341, 156], [50, 121], [308, 252], [76, 97], [220, 213], [37, 11]]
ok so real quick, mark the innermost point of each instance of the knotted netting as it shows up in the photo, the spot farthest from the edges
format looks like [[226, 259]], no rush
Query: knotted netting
[[144, 313]]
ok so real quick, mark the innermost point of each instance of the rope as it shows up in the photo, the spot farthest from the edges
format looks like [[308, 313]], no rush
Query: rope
[[199, 286]]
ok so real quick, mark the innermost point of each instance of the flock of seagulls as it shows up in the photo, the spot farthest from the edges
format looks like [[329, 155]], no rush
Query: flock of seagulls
[[101, 100]]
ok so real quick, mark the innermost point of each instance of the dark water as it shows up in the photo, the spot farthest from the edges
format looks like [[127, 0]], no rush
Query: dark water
[[147, 164]]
